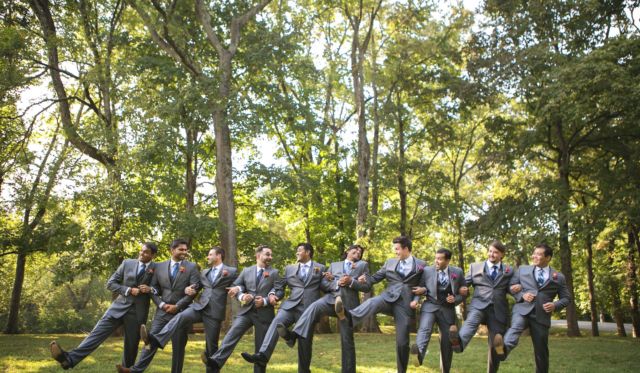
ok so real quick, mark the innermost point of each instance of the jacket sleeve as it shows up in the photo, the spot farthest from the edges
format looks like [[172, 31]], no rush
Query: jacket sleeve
[[194, 278], [155, 290], [378, 276], [357, 286], [423, 284], [460, 282], [325, 284], [279, 285], [515, 280], [115, 281], [239, 281], [563, 294]]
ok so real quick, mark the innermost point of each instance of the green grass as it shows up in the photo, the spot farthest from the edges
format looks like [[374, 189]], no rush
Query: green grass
[[376, 353]]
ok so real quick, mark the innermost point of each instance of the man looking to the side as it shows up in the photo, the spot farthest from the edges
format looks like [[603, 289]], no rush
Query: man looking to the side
[[130, 308], [441, 283], [252, 288], [534, 287]]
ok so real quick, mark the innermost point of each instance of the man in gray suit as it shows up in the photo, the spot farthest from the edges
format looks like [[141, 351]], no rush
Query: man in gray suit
[[402, 274], [255, 289], [489, 306], [168, 293], [539, 285], [441, 283], [344, 295], [131, 282], [305, 280]]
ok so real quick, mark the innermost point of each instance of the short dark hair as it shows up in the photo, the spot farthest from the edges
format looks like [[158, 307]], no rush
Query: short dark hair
[[548, 251], [498, 245], [307, 247], [151, 246], [219, 251], [261, 247], [351, 247], [446, 252], [177, 242], [404, 241]]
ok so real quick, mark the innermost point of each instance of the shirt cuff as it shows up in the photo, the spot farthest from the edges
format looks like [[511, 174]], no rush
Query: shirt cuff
[[126, 293]]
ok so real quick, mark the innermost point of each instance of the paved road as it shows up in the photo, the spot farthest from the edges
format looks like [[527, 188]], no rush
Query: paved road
[[586, 325]]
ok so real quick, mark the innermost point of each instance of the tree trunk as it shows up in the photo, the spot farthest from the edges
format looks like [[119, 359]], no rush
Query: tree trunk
[[402, 185], [563, 224], [618, 315], [16, 294], [592, 292], [369, 324], [632, 286], [363, 142], [224, 177]]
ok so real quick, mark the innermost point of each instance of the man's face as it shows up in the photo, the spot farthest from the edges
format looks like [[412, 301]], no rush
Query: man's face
[[213, 258], [401, 252], [441, 261], [264, 257], [353, 255], [539, 259], [495, 255], [180, 253], [302, 254], [145, 255]]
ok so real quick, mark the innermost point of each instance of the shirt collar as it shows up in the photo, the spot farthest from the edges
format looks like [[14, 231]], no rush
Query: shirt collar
[[173, 263], [490, 265]]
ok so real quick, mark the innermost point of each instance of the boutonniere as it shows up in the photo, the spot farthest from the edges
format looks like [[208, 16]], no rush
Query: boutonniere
[[454, 276], [182, 269], [554, 276], [225, 273], [316, 270], [420, 267], [507, 270], [265, 274], [150, 270]]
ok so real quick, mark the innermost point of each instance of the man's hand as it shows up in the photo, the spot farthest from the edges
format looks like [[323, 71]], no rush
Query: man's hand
[[170, 308], [413, 304], [451, 299], [246, 298], [464, 291], [190, 290], [417, 290], [549, 307], [259, 301], [134, 291], [233, 291], [328, 276], [362, 279], [345, 280], [144, 289], [516, 288], [273, 300], [529, 297]]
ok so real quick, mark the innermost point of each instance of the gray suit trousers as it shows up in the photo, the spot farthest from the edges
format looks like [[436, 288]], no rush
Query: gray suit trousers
[[427, 321], [305, 325], [287, 318], [402, 316], [539, 337], [486, 316], [239, 327], [178, 339], [103, 329]]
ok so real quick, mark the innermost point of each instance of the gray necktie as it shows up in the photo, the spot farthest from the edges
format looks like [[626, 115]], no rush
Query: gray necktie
[[348, 265], [402, 268], [212, 274], [174, 271], [259, 276], [303, 272]]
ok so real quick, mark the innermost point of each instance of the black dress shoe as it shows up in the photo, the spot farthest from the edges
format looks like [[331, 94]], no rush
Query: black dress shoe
[[258, 358], [419, 357], [285, 334], [58, 354], [209, 362]]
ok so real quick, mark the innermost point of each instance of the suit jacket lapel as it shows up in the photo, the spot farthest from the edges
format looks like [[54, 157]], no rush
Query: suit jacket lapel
[[310, 273]]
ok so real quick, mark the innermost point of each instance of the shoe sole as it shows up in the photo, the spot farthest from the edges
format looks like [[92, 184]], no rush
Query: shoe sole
[[454, 339], [144, 336], [416, 351], [498, 345], [340, 309]]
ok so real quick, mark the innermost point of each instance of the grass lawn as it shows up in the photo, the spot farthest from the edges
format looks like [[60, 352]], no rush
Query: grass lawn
[[376, 353]]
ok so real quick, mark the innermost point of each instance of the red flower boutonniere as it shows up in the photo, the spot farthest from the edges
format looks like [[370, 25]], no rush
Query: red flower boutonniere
[[454, 276], [225, 273], [316, 270], [554, 276], [420, 267], [182, 269], [150, 270], [265, 274], [507, 270]]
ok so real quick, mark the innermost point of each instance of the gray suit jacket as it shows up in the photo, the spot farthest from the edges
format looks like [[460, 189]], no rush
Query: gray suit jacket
[[247, 282], [303, 293], [173, 292], [213, 299], [487, 292], [398, 287], [555, 285], [123, 278], [429, 280], [349, 294]]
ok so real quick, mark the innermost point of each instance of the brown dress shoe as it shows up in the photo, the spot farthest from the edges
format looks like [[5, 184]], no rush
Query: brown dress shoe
[[339, 308], [498, 345], [57, 353], [454, 339], [144, 336], [122, 369]]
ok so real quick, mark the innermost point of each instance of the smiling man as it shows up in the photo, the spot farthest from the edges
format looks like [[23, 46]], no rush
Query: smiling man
[[535, 287], [131, 308]]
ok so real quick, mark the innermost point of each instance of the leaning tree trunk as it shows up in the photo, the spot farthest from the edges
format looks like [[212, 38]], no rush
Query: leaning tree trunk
[[16, 294], [592, 292], [618, 314], [402, 184], [632, 285]]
